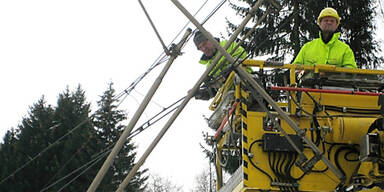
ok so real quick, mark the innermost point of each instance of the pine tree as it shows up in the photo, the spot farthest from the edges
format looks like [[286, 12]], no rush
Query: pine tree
[[78, 141], [108, 122], [283, 32], [54, 149], [23, 145], [8, 160]]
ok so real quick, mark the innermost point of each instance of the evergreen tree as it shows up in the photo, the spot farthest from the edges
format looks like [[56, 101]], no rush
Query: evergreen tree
[[108, 122], [23, 145], [284, 32], [78, 141], [53, 149], [49, 146], [8, 160]]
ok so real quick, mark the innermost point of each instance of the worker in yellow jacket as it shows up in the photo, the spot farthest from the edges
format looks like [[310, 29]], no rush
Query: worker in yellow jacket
[[327, 49], [209, 53]]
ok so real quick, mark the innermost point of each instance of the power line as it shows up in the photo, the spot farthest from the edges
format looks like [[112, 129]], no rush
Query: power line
[[103, 153], [44, 150], [162, 57], [158, 61], [91, 163]]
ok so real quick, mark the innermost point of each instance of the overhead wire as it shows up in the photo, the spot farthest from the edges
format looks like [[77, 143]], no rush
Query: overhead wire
[[92, 162], [68, 161], [124, 94], [104, 152], [160, 59], [154, 28], [154, 102], [44, 150]]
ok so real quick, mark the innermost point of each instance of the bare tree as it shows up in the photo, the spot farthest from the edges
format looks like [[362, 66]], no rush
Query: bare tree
[[205, 181], [157, 183]]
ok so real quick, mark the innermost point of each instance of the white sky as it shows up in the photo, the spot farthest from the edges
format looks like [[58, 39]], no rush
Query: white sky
[[47, 45]]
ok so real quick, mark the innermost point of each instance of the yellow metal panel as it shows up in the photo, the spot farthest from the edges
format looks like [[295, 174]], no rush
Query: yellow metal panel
[[337, 129], [341, 100], [245, 143], [347, 129], [256, 179], [313, 181]]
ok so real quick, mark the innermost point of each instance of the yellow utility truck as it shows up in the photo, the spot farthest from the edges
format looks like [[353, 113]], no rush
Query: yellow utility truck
[[321, 131]]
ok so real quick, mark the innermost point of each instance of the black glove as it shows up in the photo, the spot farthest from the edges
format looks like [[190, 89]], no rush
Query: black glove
[[205, 93]]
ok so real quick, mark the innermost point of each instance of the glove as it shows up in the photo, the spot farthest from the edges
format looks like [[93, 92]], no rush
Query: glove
[[205, 93]]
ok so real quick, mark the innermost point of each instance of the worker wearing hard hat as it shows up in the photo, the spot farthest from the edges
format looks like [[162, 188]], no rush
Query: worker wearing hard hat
[[327, 49], [209, 53]]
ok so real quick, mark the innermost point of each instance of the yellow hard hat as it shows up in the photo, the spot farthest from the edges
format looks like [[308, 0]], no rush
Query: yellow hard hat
[[329, 11]]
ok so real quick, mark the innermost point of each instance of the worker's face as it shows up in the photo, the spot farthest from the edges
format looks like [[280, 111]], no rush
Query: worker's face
[[207, 48], [328, 24]]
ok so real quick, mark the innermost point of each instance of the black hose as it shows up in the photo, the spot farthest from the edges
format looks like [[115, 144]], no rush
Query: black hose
[[254, 165]]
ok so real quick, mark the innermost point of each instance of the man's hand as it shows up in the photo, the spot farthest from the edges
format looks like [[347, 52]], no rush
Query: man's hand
[[205, 93]]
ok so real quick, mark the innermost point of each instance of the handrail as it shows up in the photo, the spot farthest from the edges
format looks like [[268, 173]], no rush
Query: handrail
[[325, 91], [316, 68]]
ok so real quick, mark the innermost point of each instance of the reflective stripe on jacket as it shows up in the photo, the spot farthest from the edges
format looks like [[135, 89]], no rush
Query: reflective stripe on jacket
[[239, 52], [335, 52]]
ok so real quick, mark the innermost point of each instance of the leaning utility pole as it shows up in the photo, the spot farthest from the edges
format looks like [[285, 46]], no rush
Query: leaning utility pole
[[191, 93], [108, 162]]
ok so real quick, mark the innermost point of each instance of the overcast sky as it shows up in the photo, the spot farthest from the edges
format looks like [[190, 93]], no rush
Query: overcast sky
[[47, 45]]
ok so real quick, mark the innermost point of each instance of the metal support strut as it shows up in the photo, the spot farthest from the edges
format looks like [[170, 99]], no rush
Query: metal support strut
[[188, 97], [108, 162], [243, 74]]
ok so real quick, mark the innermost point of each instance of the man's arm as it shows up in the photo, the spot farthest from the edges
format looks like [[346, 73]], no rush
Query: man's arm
[[240, 52], [349, 59], [300, 57]]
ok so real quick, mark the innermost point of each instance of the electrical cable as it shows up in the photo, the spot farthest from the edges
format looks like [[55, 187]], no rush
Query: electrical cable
[[148, 123], [214, 11], [326, 168], [254, 165], [93, 161], [283, 165], [352, 110], [278, 164], [126, 91], [135, 132], [91, 165], [160, 59], [67, 162], [299, 106], [109, 148], [44, 150], [154, 28], [336, 158], [75, 128], [154, 102], [351, 152]]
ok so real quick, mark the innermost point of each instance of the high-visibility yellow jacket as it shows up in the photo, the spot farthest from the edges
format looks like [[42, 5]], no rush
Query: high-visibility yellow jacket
[[239, 52], [335, 52]]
